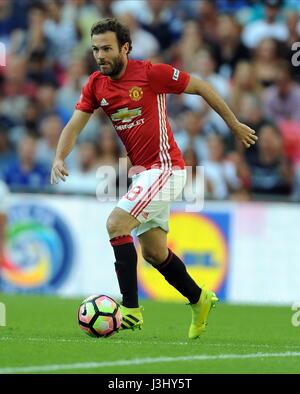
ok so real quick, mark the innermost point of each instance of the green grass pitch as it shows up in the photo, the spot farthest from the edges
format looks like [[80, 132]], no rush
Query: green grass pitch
[[42, 336]]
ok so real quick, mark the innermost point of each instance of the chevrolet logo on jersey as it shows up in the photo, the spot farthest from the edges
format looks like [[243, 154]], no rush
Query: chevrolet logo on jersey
[[126, 115]]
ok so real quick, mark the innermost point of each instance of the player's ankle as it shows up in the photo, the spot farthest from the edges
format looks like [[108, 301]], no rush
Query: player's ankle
[[130, 305]]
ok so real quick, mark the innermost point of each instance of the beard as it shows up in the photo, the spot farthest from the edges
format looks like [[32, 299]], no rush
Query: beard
[[112, 68]]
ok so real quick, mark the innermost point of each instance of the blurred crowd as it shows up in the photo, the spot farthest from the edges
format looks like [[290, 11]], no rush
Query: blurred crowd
[[243, 48]]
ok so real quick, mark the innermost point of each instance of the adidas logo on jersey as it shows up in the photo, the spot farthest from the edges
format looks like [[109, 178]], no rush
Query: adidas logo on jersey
[[145, 215], [103, 102]]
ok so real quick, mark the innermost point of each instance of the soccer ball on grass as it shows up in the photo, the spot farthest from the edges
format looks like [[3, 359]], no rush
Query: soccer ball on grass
[[99, 316]]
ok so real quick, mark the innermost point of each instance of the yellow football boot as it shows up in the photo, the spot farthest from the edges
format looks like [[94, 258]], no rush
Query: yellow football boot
[[200, 312], [132, 318]]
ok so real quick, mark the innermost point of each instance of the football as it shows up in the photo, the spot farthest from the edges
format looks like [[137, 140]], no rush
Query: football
[[99, 316]]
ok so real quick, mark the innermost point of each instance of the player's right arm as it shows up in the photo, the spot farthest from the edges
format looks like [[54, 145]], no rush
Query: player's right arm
[[66, 143]]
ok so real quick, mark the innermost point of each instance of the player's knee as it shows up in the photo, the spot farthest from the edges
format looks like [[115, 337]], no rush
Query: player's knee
[[154, 257], [112, 225], [115, 226]]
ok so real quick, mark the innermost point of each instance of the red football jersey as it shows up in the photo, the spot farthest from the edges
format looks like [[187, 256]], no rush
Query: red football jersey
[[136, 105]]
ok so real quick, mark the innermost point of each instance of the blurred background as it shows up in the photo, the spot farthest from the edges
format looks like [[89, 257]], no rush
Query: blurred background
[[53, 238]]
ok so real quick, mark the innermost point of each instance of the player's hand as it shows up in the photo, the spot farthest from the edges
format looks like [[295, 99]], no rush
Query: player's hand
[[58, 171], [245, 134]]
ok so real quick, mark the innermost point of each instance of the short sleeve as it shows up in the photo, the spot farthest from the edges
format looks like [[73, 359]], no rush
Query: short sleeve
[[164, 78], [87, 101]]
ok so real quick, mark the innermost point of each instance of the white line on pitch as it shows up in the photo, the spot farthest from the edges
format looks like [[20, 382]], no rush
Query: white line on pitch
[[127, 341], [141, 361]]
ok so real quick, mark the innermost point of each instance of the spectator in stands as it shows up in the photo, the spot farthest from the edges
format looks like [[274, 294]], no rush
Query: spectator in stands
[[265, 59], [219, 171], [33, 39], [48, 101], [251, 113], [230, 50], [204, 66], [49, 60], [7, 153], [55, 28], [296, 184], [207, 14], [229, 6], [159, 21], [243, 174], [270, 172], [49, 132], [76, 76], [67, 96], [92, 156], [190, 43], [25, 172], [145, 45], [29, 122], [196, 183], [40, 69], [244, 83], [109, 149], [83, 180], [12, 19], [193, 134], [293, 24], [31, 115], [50, 129], [282, 101], [134, 7], [104, 8], [16, 88], [269, 27], [82, 14]]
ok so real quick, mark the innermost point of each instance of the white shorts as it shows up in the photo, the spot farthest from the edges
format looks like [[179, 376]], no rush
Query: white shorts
[[150, 196]]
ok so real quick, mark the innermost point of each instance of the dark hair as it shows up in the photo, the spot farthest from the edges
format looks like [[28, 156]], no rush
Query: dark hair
[[36, 6], [112, 24], [269, 124]]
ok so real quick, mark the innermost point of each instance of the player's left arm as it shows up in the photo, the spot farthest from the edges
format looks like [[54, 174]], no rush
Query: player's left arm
[[244, 133]]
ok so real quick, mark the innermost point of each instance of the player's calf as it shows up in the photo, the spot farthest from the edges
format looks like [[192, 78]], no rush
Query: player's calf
[[174, 271], [119, 226]]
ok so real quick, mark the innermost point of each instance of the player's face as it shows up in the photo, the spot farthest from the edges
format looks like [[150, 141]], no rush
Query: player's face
[[109, 57]]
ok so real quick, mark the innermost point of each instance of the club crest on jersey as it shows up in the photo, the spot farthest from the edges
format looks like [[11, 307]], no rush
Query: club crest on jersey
[[136, 93], [126, 115]]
